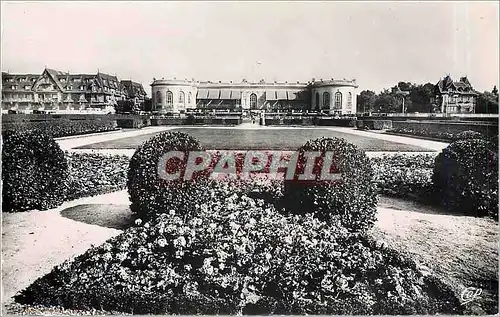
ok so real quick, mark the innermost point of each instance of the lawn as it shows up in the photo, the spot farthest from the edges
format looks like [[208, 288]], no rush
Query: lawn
[[263, 139]]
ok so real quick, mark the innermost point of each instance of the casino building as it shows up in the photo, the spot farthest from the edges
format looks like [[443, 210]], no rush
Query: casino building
[[178, 96]]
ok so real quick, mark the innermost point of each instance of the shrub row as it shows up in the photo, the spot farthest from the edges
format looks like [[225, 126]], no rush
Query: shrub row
[[439, 134], [61, 128], [37, 174], [238, 255]]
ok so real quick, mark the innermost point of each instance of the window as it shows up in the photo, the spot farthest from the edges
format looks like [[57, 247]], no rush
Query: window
[[170, 98], [349, 101], [189, 97], [326, 100], [27, 87], [317, 101], [158, 97], [338, 100], [181, 97], [253, 101]]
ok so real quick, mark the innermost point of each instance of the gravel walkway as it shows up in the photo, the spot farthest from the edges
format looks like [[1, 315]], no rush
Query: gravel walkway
[[34, 242]]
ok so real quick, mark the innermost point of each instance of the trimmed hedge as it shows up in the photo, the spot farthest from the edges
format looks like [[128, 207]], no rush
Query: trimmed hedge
[[352, 199], [61, 128], [150, 195], [34, 172], [466, 177], [237, 255]]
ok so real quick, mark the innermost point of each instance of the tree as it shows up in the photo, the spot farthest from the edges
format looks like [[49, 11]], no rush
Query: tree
[[125, 106], [366, 101], [495, 91], [387, 102], [148, 104], [405, 86], [420, 97], [487, 102]]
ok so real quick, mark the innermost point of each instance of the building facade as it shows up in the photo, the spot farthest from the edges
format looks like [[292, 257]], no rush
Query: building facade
[[329, 96], [54, 91], [455, 96], [134, 92]]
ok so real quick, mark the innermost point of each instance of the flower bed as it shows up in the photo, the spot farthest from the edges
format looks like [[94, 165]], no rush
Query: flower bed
[[235, 255], [404, 176], [61, 128], [94, 174], [428, 133]]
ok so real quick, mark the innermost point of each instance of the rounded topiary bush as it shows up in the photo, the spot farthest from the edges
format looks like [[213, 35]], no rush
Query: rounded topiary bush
[[149, 193], [239, 255], [352, 198], [34, 172], [466, 178]]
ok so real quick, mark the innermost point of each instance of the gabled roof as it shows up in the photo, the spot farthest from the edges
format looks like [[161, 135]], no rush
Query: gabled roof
[[132, 88], [447, 84]]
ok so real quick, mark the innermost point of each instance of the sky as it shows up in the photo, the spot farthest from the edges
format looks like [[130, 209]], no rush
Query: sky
[[377, 43]]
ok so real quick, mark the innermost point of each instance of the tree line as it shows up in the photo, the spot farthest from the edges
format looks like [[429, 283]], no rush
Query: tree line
[[417, 98]]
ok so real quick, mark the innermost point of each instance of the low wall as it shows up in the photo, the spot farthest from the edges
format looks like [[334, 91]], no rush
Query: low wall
[[309, 120], [195, 121], [374, 124]]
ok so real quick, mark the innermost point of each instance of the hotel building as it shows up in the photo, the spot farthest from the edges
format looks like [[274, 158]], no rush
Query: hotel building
[[55, 91]]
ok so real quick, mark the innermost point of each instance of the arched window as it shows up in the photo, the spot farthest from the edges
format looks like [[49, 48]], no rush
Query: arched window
[[158, 97], [170, 98], [349, 101], [189, 97], [253, 101], [326, 100], [317, 101], [338, 100], [181, 97]]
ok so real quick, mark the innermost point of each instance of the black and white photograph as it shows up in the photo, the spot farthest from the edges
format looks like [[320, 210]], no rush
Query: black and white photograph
[[249, 157]]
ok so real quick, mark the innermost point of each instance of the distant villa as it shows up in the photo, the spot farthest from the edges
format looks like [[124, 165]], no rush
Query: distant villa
[[455, 96]]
